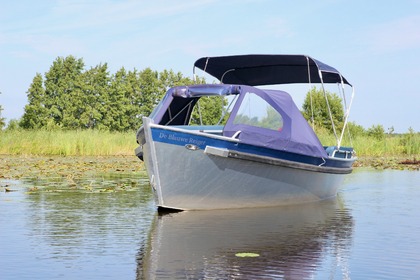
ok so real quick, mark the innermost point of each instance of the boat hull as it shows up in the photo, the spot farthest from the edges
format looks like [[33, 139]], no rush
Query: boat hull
[[187, 176]]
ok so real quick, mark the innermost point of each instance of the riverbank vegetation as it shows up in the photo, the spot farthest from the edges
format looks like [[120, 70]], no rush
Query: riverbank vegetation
[[72, 111], [69, 97], [107, 143], [374, 142], [375, 148], [67, 142]]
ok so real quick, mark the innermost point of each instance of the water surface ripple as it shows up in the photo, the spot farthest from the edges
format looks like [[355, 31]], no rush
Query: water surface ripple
[[370, 231]]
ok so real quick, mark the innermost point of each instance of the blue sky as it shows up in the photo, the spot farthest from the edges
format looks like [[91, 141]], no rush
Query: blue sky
[[375, 44]]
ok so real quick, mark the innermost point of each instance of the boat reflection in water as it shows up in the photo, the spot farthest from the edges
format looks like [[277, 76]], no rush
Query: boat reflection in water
[[291, 242]]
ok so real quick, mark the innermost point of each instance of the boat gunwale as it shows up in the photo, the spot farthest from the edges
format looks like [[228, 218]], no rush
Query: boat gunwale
[[264, 159], [191, 131], [288, 163]]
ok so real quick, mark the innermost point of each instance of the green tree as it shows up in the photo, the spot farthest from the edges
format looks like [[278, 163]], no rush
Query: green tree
[[92, 97], [70, 97], [272, 119], [54, 103], [151, 91], [62, 89], [13, 125], [171, 79], [123, 106], [211, 109], [35, 114], [117, 101], [321, 116]]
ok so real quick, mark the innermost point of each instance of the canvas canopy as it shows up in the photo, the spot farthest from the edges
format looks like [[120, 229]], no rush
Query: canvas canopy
[[296, 135], [269, 69], [176, 106]]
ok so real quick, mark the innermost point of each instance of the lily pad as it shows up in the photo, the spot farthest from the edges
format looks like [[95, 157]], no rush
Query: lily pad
[[247, 255]]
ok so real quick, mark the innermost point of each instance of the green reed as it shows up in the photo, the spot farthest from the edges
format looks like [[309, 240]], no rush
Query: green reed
[[407, 144], [67, 143], [96, 143]]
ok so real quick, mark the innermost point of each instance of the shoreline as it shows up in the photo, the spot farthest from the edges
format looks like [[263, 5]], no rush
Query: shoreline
[[44, 167], [392, 162], [34, 166]]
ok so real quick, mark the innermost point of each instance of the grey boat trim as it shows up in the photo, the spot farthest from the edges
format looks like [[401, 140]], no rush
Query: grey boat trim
[[214, 151]]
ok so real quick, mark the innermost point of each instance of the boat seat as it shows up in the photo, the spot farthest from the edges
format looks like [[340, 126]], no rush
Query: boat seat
[[342, 152]]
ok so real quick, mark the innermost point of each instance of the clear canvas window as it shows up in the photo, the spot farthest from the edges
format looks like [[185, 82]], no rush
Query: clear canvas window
[[256, 111]]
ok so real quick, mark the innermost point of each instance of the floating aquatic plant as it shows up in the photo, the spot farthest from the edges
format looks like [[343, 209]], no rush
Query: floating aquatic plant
[[247, 255]]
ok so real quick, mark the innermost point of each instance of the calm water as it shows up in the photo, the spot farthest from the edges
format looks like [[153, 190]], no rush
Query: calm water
[[371, 231]]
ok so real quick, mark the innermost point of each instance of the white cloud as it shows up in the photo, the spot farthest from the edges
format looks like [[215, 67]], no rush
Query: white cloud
[[107, 13], [396, 35]]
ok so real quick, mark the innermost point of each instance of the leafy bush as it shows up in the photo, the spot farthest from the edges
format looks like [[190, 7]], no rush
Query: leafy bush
[[319, 108], [376, 131]]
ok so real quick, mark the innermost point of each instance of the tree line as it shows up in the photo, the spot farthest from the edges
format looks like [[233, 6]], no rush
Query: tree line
[[314, 109], [70, 97]]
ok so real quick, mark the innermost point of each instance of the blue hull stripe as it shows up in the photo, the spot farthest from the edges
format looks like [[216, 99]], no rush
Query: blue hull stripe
[[201, 141]]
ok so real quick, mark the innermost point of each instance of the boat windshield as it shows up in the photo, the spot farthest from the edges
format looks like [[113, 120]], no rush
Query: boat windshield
[[270, 118], [195, 105], [256, 111]]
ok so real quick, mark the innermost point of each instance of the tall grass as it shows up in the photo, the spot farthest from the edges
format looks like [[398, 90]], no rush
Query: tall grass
[[67, 143], [387, 145], [96, 143]]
